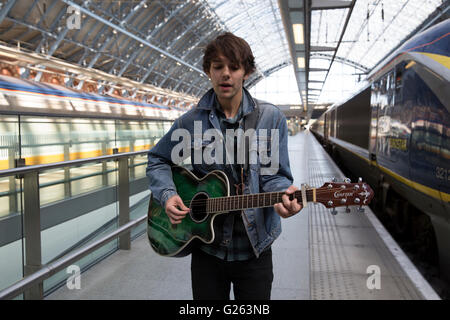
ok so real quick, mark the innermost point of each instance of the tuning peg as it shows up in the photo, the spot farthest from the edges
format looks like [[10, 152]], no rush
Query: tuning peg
[[347, 180], [347, 210], [334, 212], [359, 180], [360, 209]]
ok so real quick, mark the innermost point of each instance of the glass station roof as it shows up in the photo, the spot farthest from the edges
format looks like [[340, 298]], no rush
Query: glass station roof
[[368, 40], [159, 44], [374, 29]]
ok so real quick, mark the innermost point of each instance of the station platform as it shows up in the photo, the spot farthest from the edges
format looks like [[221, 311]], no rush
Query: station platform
[[319, 256]]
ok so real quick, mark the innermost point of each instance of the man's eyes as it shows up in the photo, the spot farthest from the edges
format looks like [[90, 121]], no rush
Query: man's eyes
[[220, 66]]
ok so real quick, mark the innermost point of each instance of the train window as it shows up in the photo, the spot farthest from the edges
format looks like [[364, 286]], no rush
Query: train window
[[375, 86], [391, 81], [383, 85], [399, 75]]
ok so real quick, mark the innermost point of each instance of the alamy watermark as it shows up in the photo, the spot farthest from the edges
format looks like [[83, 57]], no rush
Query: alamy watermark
[[73, 21], [74, 280], [374, 280], [208, 147]]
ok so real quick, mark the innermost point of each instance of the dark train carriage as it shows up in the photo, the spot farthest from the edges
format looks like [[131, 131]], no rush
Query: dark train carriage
[[396, 135], [353, 120]]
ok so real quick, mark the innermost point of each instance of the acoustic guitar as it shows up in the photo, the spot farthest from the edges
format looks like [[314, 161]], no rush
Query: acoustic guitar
[[209, 197]]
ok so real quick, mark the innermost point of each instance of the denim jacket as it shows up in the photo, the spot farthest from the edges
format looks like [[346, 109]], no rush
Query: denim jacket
[[263, 225]]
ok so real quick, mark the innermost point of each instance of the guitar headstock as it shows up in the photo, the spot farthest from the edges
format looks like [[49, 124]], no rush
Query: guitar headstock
[[343, 194]]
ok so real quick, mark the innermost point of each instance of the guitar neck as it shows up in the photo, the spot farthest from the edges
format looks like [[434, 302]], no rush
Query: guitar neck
[[258, 200]]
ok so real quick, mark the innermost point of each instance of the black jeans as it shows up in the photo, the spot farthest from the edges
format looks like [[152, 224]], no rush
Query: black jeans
[[212, 277]]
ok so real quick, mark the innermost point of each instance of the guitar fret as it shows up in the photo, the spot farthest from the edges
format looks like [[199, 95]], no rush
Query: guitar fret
[[258, 200]]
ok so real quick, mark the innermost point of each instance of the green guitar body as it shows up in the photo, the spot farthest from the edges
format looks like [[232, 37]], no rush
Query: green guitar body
[[177, 240]]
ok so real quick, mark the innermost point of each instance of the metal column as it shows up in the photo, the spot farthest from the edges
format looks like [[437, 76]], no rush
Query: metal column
[[32, 232], [124, 203]]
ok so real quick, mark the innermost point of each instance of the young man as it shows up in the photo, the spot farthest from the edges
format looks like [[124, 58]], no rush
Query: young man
[[241, 253]]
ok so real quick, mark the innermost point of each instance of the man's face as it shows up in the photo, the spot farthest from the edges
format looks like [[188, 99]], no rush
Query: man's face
[[226, 78]]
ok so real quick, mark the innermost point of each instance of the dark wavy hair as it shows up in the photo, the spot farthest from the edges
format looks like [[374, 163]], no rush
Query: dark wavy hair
[[236, 49]]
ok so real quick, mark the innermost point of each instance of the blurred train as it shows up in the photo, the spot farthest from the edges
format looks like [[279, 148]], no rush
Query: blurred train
[[43, 123], [395, 133]]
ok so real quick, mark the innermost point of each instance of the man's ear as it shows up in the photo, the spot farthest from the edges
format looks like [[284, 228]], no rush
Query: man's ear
[[246, 76]]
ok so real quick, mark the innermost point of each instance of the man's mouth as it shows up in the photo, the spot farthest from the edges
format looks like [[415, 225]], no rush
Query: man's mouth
[[225, 85]]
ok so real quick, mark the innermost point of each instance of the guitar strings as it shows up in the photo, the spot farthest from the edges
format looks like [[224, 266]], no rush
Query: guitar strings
[[222, 200], [257, 195]]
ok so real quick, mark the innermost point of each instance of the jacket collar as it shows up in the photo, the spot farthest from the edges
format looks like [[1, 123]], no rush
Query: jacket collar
[[207, 102]]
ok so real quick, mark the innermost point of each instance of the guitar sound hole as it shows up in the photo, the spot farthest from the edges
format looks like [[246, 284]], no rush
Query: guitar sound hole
[[198, 207]]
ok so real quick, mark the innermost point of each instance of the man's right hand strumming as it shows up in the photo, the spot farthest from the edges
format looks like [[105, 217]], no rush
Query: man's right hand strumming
[[175, 209]]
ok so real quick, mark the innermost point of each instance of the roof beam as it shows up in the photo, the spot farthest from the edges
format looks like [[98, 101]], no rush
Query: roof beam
[[129, 34], [6, 9], [339, 59], [330, 4], [321, 48], [316, 81]]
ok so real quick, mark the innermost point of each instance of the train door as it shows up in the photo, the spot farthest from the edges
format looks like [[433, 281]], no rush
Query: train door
[[400, 128], [430, 137], [333, 124], [374, 106], [384, 119]]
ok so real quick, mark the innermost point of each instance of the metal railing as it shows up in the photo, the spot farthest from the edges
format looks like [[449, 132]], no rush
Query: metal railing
[[35, 272]]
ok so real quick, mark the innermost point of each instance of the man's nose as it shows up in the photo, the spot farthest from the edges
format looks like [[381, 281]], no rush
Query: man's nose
[[226, 72]]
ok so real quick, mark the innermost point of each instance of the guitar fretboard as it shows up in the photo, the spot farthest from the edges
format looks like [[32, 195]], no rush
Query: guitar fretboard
[[258, 200]]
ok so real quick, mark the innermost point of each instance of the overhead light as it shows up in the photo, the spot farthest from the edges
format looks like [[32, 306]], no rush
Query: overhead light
[[409, 65], [301, 62], [298, 33]]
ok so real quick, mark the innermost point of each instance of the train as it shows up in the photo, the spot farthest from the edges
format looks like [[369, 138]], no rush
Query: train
[[395, 133], [45, 122]]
